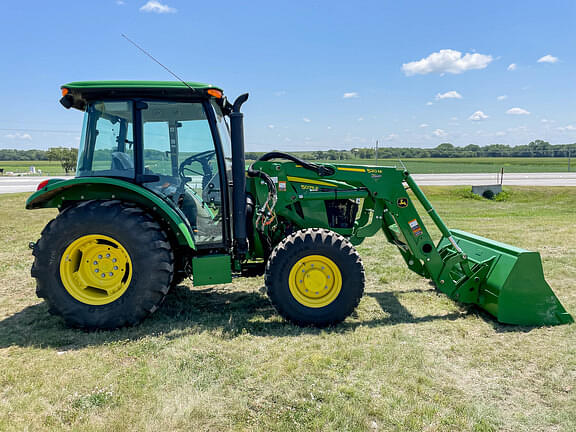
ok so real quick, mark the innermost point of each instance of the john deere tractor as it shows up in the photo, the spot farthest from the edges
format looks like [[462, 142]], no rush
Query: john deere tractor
[[162, 192]]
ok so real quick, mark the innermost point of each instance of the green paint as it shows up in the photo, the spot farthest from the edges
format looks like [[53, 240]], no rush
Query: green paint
[[82, 85], [507, 282], [211, 270], [514, 289], [57, 193]]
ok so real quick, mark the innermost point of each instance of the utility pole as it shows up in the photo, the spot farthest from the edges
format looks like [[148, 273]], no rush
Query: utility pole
[[568, 159], [376, 153]]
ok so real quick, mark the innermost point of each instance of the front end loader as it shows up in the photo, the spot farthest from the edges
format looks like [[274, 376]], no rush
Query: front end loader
[[162, 193]]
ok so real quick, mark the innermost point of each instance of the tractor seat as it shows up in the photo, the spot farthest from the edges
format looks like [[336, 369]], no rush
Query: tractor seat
[[121, 161]]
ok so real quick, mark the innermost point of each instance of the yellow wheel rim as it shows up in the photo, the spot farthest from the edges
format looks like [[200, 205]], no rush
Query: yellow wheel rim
[[315, 281], [95, 269]]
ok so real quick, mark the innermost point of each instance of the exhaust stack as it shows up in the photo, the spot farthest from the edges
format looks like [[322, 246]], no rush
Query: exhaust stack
[[238, 177]]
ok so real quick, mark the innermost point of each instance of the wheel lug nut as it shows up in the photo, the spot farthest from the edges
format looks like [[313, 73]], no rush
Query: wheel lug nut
[[95, 262], [110, 274], [96, 270], [113, 259], [108, 255], [99, 256], [103, 275], [115, 267]]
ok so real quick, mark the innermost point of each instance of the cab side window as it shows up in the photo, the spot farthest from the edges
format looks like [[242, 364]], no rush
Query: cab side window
[[107, 141]]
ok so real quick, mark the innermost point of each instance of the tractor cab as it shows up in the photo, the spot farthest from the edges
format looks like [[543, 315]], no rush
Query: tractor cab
[[174, 142]]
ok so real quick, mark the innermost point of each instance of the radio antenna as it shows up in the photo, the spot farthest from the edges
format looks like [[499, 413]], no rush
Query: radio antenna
[[152, 57]]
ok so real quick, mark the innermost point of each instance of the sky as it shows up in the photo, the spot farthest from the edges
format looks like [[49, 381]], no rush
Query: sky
[[321, 74]]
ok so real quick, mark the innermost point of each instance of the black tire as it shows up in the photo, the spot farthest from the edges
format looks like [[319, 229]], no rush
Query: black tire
[[143, 239], [308, 242]]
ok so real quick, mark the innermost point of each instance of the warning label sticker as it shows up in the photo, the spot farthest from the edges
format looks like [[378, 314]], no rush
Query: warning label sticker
[[416, 230], [281, 185]]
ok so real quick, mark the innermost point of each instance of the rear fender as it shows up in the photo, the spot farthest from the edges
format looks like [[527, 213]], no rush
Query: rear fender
[[59, 194]]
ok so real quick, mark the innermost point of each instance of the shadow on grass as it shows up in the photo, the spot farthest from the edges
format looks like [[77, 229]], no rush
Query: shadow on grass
[[185, 311]]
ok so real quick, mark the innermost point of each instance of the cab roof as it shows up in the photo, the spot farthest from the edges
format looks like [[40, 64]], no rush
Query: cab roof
[[81, 92]]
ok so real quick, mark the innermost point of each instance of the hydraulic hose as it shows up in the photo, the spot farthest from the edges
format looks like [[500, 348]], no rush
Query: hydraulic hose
[[321, 170]]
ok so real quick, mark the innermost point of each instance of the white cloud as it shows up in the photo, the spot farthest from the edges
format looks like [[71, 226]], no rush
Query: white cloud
[[511, 67], [440, 133], [120, 2], [424, 125], [271, 126], [429, 103], [478, 116], [390, 137], [503, 97], [453, 94], [517, 111], [500, 133], [18, 135], [548, 59], [360, 119], [306, 120], [447, 61], [280, 93], [350, 95], [157, 7], [567, 128]]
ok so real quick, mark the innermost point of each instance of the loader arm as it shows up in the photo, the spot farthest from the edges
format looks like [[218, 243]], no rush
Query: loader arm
[[507, 282]]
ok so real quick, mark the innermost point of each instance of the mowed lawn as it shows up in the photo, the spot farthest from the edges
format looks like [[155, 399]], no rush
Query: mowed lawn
[[415, 165], [47, 167], [219, 358], [474, 165]]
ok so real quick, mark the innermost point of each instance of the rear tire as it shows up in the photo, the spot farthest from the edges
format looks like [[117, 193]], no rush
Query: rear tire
[[315, 277], [117, 241]]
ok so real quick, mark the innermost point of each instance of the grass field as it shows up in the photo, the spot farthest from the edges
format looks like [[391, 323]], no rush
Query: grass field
[[416, 166], [220, 359], [476, 165], [47, 167]]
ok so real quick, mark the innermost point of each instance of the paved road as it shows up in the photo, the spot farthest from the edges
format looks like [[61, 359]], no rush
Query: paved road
[[28, 184], [10, 184]]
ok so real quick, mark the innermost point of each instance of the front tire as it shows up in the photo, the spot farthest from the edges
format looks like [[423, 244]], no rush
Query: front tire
[[315, 277], [103, 265]]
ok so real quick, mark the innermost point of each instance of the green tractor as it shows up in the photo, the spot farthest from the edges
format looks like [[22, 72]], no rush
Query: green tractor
[[162, 193]]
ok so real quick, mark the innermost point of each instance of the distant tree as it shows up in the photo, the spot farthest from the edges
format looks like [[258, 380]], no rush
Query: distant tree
[[472, 148], [66, 156], [540, 148]]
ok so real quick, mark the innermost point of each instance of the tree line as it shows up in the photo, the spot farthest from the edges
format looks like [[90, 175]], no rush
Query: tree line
[[537, 148]]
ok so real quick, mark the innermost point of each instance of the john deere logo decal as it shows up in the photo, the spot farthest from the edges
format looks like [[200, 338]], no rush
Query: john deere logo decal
[[402, 202]]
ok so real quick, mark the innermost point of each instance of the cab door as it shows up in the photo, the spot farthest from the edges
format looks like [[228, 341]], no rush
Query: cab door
[[178, 147]]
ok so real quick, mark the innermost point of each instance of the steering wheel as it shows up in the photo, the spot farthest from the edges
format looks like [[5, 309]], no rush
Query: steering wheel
[[202, 158]]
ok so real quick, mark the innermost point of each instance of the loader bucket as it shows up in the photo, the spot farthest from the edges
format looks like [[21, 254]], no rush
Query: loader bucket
[[514, 289]]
